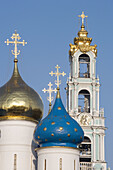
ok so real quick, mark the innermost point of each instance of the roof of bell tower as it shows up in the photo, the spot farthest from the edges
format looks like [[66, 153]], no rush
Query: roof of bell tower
[[82, 42]]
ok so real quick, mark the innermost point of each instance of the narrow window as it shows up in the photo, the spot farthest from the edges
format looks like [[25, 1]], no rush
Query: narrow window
[[15, 161], [60, 163], [74, 165], [45, 164]]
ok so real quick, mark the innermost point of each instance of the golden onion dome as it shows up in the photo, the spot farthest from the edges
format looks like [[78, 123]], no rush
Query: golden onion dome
[[18, 101], [82, 32]]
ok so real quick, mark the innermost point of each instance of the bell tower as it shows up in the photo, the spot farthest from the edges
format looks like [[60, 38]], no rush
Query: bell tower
[[83, 100]]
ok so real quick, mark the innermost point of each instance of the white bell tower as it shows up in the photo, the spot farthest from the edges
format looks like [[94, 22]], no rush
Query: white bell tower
[[83, 100]]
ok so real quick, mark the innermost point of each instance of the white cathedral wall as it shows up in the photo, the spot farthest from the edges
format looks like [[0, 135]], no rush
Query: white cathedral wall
[[58, 158], [16, 145]]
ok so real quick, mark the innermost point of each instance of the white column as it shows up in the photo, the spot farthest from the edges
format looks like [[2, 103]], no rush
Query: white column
[[72, 67], [75, 98], [100, 147], [94, 146], [98, 157], [78, 70], [97, 100], [69, 97], [93, 67], [103, 147], [93, 99], [75, 69]]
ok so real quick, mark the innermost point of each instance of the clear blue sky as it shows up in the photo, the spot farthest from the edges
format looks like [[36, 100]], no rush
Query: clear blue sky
[[48, 27]]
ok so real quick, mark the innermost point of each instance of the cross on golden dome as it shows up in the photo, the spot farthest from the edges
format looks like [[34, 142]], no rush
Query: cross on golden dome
[[15, 37], [82, 16], [50, 91], [57, 74]]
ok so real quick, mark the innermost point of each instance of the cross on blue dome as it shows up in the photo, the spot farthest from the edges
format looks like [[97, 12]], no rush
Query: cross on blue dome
[[58, 128]]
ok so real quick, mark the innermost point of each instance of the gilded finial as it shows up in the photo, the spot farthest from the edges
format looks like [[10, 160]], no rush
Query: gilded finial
[[82, 16], [50, 91], [15, 37], [57, 74], [58, 93]]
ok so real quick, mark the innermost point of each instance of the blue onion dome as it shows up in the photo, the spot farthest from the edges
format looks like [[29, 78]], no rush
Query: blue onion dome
[[58, 128], [18, 101]]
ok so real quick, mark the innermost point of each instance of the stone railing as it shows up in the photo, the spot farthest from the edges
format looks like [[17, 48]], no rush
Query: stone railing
[[101, 112], [85, 153], [86, 166]]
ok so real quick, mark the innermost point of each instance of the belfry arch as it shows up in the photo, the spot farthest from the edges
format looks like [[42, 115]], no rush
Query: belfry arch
[[85, 154], [84, 66], [84, 101]]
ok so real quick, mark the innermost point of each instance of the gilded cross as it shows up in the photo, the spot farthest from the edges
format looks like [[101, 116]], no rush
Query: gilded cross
[[15, 37], [57, 74], [82, 16], [50, 91]]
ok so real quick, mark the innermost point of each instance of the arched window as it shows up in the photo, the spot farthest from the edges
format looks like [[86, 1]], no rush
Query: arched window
[[84, 101], [84, 66], [85, 150]]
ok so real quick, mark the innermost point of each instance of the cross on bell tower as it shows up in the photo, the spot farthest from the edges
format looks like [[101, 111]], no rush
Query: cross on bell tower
[[83, 16]]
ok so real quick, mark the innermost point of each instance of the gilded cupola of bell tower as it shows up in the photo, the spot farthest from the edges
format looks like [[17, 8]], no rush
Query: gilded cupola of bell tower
[[82, 42]]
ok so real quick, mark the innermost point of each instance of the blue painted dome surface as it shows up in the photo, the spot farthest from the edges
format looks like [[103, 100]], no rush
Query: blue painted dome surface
[[58, 128]]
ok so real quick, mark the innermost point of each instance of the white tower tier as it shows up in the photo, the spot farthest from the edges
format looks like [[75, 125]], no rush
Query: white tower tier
[[58, 158], [16, 145]]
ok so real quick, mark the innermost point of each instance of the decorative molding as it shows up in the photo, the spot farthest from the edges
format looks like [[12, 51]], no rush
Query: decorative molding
[[12, 117], [56, 147], [83, 48]]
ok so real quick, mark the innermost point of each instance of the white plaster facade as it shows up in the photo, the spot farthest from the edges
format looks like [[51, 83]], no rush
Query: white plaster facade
[[16, 145], [58, 158]]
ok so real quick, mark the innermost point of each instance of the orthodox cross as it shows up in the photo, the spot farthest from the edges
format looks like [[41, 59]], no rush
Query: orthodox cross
[[50, 91], [15, 37], [82, 16], [57, 74]]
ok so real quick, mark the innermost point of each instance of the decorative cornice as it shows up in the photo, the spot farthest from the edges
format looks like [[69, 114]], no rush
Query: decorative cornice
[[56, 147], [2, 118], [83, 48]]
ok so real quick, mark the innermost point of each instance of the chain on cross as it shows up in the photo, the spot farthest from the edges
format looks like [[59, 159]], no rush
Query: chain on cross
[[15, 37], [57, 74], [50, 91], [82, 16]]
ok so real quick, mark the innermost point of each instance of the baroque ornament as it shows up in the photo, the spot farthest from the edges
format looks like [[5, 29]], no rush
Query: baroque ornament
[[82, 42]]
